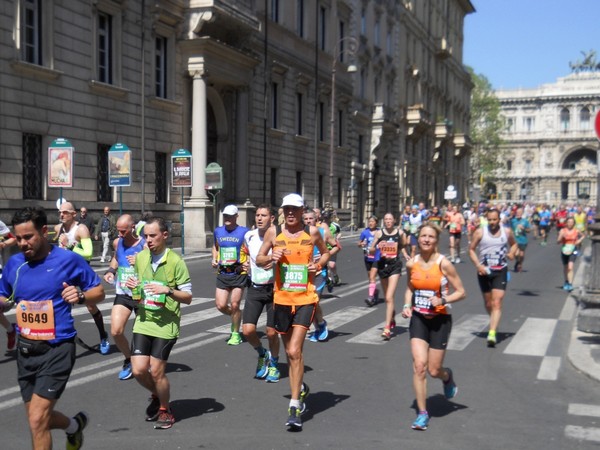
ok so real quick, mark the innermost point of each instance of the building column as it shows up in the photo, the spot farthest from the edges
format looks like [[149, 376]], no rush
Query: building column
[[198, 208], [242, 193]]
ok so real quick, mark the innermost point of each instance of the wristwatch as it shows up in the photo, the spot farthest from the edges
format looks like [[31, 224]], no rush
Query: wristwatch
[[171, 292], [81, 296]]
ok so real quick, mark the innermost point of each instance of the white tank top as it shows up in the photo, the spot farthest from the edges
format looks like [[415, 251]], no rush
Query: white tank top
[[258, 275], [493, 250], [71, 234]]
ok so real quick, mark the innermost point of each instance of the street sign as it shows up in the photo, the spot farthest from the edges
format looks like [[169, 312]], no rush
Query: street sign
[[450, 193], [119, 165], [181, 162], [60, 163], [597, 125], [214, 177]]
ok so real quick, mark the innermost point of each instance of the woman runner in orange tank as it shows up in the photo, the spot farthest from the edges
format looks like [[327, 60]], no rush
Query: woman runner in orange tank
[[427, 304]]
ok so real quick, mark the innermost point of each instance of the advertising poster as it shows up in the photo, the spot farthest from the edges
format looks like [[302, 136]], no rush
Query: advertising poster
[[60, 164], [182, 168], [119, 165]]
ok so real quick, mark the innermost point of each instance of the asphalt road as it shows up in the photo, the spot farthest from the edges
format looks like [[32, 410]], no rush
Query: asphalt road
[[521, 395]]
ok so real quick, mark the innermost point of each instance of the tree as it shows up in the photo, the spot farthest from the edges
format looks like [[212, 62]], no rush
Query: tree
[[486, 125]]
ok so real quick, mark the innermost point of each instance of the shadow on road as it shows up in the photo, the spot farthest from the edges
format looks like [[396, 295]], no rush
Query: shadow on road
[[175, 367], [319, 402], [440, 406], [188, 408], [499, 336]]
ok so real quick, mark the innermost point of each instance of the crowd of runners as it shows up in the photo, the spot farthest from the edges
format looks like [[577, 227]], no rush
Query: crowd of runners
[[281, 266]]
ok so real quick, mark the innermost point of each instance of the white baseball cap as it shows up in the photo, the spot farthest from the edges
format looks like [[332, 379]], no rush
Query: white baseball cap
[[293, 200], [230, 210]]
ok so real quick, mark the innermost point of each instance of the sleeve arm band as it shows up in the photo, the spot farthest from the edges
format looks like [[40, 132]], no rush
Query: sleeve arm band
[[86, 250]]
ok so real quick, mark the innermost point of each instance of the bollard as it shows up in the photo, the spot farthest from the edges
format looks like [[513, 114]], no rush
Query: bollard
[[588, 318]]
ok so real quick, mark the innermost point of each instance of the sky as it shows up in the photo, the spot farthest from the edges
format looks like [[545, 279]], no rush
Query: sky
[[527, 43]]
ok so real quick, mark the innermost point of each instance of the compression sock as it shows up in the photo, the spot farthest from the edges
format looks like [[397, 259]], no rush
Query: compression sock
[[99, 321], [372, 287]]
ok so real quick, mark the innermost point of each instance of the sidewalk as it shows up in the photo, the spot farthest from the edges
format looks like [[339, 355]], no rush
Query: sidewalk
[[584, 348]]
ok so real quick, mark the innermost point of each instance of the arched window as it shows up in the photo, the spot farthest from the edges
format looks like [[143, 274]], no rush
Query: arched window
[[584, 118], [565, 118]]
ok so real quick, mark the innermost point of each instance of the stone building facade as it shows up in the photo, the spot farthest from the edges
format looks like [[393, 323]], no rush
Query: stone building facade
[[550, 146], [263, 88]]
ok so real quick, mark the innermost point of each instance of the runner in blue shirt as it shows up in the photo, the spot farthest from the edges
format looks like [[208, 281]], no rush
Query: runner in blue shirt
[[520, 227], [45, 282]]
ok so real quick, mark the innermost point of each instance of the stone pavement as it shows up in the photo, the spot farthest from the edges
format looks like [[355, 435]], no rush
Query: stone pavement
[[584, 348]]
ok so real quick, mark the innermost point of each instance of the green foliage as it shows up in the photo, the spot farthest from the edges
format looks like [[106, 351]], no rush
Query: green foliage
[[486, 125]]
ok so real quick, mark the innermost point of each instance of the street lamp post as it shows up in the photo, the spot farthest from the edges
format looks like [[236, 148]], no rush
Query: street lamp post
[[352, 45]]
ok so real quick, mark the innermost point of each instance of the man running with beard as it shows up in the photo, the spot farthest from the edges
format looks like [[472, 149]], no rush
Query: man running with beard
[[496, 244]]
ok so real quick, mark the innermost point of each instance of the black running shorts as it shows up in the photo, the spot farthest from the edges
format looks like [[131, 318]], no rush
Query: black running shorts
[[435, 330], [144, 345], [495, 280], [231, 281], [258, 297], [287, 316], [46, 374]]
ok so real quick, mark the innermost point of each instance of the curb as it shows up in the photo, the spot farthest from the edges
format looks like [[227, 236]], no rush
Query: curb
[[583, 344]]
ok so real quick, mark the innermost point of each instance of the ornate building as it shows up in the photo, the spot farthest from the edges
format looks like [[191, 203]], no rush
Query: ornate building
[[361, 104], [550, 145]]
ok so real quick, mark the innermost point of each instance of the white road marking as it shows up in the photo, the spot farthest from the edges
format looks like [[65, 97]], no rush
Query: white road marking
[[465, 330], [580, 409], [582, 433], [549, 368], [533, 337]]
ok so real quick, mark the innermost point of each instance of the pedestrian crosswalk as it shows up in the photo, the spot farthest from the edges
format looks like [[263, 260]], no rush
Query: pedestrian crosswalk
[[584, 433]]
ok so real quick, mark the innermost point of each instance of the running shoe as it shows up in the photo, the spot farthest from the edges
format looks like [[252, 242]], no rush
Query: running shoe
[[450, 389], [165, 420], [273, 372], [125, 373], [422, 422], [322, 332], [569, 287], [235, 339], [336, 280], [393, 322], [11, 338], [457, 261], [370, 301], [294, 420], [329, 284], [104, 346], [75, 440], [312, 337], [491, 339], [152, 409], [304, 391], [263, 365], [451, 260], [386, 334]]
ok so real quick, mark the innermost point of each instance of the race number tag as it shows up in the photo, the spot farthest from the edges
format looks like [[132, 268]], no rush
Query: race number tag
[[568, 249], [262, 276], [294, 277], [228, 256], [389, 250], [152, 302], [423, 301], [453, 226], [123, 274], [36, 320], [413, 228]]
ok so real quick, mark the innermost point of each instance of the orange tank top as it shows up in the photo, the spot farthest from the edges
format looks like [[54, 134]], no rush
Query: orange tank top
[[294, 285], [428, 283]]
